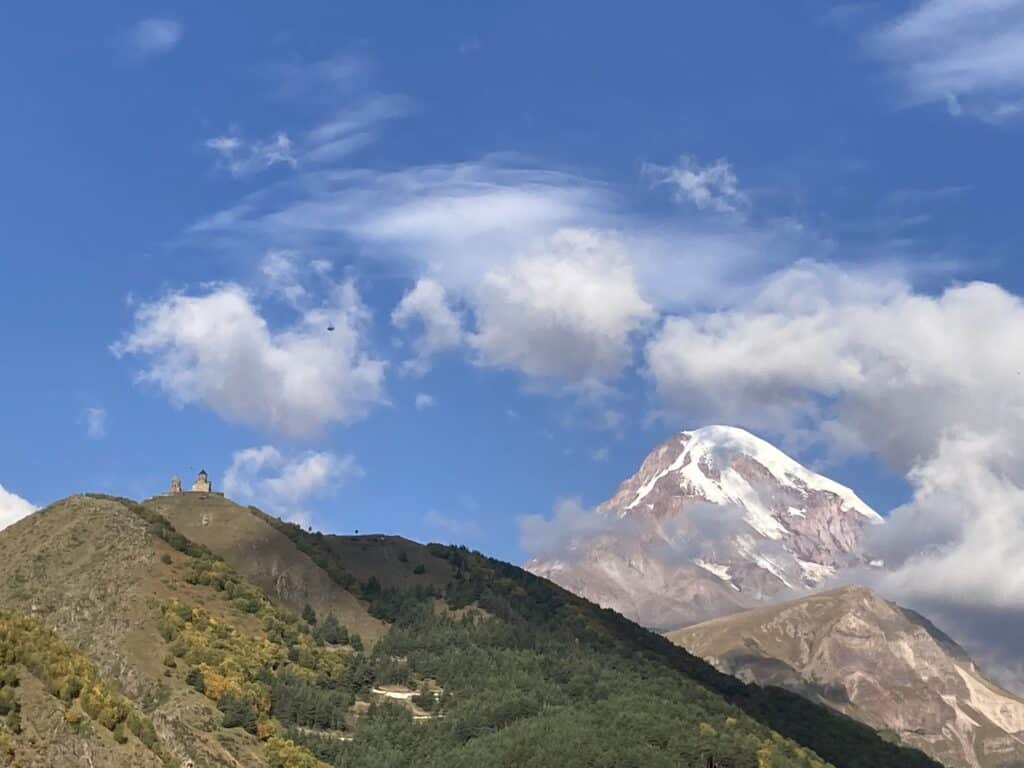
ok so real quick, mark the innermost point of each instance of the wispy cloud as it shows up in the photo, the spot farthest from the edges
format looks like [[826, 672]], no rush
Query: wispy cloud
[[714, 186], [346, 132], [284, 484], [965, 54], [919, 195], [95, 421], [154, 37], [570, 529], [424, 401], [351, 112], [455, 530], [242, 157]]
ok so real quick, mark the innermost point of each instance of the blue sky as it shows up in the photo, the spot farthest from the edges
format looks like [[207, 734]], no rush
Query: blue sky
[[546, 238]]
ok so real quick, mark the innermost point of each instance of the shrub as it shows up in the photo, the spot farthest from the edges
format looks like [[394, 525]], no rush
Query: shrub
[[239, 712], [195, 679]]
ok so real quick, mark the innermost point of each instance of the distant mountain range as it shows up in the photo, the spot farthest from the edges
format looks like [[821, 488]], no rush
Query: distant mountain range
[[873, 660]]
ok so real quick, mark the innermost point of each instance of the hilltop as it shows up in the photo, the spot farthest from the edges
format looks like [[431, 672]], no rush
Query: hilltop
[[193, 631]]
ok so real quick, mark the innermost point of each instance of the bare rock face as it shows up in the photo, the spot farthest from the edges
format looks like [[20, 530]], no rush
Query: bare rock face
[[716, 520], [876, 662]]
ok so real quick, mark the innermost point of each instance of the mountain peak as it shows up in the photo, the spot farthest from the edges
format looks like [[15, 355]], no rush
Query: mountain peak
[[719, 520], [714, 447]]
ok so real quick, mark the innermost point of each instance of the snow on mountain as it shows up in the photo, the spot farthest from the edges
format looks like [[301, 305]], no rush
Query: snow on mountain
[[720, 520], [696, 466]]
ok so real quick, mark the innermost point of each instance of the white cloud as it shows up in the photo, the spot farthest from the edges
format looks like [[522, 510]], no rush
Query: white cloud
[[711, 186], [569, 312], [13, 508], [281, 271], [451, 222], [964, 53], [155, 37], [285, 484], [351, 129], [568, 531], [242, 158], [864, 356], [457, 530], [427, 306], [346, 132], [324, 80], [95, 420], [549, 276], [217, 349], [599, 454], [930, 383], [424, 401]]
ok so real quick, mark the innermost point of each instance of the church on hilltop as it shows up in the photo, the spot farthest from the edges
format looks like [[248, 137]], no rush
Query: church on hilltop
[[201, 485]]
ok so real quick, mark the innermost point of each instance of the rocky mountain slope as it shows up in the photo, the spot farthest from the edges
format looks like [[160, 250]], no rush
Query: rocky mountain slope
[[170, 634], [877, 662], [715, 521]]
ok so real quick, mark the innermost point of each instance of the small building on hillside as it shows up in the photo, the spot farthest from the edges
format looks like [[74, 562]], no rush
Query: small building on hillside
[[201, 485]]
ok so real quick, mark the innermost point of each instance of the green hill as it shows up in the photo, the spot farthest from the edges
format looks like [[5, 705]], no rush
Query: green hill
[[191, 631]]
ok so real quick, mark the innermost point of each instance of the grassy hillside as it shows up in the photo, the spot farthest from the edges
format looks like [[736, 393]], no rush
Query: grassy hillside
[[550, 679], [165, 648], [133, 646], [260, 553]]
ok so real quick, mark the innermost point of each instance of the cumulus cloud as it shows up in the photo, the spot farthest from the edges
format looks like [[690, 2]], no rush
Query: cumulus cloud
[[963, 53], [953, 551], [424, 401], [216, 349], [154, 37], [506, 243], [932, 384], [284, 484], [568, 313], [95, 421], [427, 307], [862, 358], [713, 186], [13, 508]]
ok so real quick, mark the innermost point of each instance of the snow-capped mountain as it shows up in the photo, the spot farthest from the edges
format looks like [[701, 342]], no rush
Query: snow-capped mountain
[[715, 520]]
